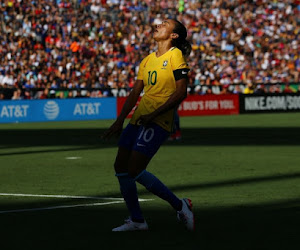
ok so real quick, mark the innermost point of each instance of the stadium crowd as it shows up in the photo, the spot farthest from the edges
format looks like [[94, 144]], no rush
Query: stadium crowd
[[89, 47]]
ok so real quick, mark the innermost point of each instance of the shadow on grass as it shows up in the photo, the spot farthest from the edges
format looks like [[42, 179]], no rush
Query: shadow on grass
[[209, 185], [85, 139], [262, 226], [191, 136], [237, 182], [271, 225]]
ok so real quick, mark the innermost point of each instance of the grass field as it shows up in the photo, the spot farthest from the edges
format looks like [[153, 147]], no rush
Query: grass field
[[241, 172]]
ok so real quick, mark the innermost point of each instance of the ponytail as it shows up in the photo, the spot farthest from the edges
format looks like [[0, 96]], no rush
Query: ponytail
[[185, 47], [181, 42]]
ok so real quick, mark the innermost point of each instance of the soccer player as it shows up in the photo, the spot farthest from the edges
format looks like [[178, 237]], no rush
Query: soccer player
[[163, 75], [176, 134]]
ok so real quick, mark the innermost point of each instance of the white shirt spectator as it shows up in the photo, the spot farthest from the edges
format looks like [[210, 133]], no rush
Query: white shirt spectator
[[7, 79]]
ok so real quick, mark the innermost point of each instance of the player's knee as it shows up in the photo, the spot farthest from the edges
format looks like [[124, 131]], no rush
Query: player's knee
[[120, 168], [133, 173]]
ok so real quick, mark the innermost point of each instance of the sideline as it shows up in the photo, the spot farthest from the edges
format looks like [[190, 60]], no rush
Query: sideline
[[113, 201]]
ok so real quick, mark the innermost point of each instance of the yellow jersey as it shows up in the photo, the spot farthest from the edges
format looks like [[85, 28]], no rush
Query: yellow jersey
[[158, 76]]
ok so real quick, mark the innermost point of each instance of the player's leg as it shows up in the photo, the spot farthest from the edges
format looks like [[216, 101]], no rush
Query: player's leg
[[127, 183], [177, 126], [148, 142], [137, 169], [122, 158], [176, 135]]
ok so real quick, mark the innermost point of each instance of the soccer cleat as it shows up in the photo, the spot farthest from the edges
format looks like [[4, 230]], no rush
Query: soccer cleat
[[175, 136], [131, 226], [172, 137], [178, 135], [186, 214]]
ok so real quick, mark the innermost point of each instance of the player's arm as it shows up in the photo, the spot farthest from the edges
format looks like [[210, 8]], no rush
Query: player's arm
[[175, 99], [131, 100]]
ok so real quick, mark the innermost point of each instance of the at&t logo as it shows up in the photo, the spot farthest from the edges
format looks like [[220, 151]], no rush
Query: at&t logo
[[51, 110]]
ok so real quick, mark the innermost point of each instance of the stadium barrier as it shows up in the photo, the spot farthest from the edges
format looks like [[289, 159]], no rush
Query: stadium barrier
[[269, 103], [57, 110], [231, 104], [196, 105], [108, 108]]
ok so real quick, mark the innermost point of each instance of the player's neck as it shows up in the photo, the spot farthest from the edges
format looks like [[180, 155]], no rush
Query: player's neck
[[163, 47]]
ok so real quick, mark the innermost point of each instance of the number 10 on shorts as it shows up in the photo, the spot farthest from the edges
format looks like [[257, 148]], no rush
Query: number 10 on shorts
[[146, 134]]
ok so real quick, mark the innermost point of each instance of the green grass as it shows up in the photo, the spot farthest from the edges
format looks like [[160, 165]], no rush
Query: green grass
[[241, 172]]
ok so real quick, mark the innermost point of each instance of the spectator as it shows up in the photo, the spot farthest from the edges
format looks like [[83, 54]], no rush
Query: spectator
[[260, 89], [249, 89], [27, 95], [45, 94], [52, 94], [63, 44], [17, 95], [287, 89]]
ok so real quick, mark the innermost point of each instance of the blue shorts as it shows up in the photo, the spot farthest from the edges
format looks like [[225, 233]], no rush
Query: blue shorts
[[146, 140]]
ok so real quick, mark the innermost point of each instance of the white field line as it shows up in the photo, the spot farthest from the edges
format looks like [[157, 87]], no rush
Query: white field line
[[66, 196], [113, 201], [73, 158], [58, 207]]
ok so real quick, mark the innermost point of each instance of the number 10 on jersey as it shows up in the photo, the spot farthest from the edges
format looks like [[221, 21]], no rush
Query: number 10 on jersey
[[152, 77]]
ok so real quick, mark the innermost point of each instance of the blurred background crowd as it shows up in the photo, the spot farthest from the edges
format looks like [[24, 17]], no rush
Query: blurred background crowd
[[88, 48]]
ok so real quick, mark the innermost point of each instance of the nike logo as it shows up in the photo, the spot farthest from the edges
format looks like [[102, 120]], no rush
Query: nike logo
[[184, 72], [140, 145]]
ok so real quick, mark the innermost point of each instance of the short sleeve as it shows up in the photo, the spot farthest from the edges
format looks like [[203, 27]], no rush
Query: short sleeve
[[178, 61]]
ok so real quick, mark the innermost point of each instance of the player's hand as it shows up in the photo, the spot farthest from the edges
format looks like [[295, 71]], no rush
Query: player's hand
[[115, 129], [145, 120]]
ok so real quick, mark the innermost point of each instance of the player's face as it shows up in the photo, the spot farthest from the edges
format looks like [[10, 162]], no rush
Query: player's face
[[164, 31]]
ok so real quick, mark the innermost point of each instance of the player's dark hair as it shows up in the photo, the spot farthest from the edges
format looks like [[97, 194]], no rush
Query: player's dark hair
[[181, 42]]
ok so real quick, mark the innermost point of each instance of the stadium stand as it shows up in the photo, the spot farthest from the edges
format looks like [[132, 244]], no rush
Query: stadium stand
[[86, 48]]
